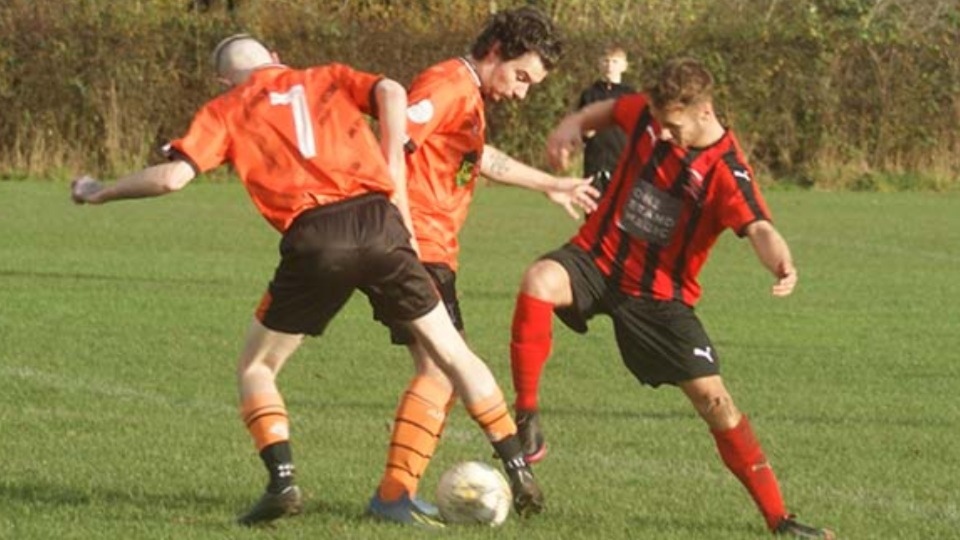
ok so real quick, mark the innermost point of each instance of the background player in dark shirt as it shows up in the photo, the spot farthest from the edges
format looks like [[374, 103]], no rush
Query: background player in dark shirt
[[602, 148]]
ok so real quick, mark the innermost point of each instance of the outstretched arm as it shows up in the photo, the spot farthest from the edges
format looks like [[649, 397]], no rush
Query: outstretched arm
[[774, 254], [567, 138], [150, 182], [567, 192]]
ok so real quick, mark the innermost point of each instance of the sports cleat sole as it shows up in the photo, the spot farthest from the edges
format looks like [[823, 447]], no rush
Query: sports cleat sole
[[789, 526], [538, 455], [405, 511], [527, 497], [531, 436], [273, 506], [526, 505]]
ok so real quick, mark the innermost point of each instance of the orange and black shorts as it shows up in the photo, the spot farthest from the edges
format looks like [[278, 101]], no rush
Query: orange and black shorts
[[332, 250], [661, 342]]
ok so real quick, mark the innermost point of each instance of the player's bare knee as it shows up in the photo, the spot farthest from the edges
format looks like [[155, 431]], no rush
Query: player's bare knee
[[533, 278], [546, 280], [260, 364], [245, 364], [254, 373], [719, 411]]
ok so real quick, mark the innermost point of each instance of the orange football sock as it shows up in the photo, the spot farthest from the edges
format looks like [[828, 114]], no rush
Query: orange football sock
[[450, 404], [416, 430], [446, 412], [492, 415], [266, 418]]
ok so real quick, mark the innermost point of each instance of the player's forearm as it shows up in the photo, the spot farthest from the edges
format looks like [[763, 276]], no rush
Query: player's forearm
[[500, 167], [392, 106], [771, 248], [149, 182], [594, 117]]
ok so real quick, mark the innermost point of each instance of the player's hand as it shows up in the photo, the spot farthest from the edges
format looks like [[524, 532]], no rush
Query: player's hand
[[564, 141], [83, 188], [786, 281], [574, 193]]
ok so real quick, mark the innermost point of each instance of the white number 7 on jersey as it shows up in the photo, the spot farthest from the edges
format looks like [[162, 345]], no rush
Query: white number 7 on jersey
[[296, 97]]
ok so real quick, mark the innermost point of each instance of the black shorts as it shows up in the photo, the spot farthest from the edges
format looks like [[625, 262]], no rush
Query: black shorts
[[445, 280], [332, 250], [659, 341]]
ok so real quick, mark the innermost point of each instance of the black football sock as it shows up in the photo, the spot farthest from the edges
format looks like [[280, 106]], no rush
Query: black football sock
[[511, 453], [278, 458]]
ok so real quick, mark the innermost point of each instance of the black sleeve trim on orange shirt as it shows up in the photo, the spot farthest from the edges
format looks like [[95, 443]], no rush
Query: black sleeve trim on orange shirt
[[372, 98], [409, 145], [174, 154]]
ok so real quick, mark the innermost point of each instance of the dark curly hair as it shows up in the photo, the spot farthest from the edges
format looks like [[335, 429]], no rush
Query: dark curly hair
[[519, 31]]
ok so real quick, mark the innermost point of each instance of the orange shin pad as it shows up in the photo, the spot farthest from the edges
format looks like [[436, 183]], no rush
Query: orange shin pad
[[266, 419], [416, 432], [494, 418]]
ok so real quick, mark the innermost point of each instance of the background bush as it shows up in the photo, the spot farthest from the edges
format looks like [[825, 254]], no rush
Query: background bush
[[860, 94]]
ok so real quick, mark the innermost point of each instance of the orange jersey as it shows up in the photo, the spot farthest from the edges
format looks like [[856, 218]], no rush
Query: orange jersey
[[297, 138], [446, 124]]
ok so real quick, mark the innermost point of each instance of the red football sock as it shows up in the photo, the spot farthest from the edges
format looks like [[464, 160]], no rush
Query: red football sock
[[743, 456], [530, 343]]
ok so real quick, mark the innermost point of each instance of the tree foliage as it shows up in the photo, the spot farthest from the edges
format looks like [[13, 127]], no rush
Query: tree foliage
[[822, 92]]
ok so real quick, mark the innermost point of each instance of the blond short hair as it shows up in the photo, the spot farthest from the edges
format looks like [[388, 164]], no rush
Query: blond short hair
[[614, 50]]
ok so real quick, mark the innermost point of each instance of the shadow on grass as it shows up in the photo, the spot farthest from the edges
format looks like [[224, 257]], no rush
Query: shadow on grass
[[693, 527], [187, 508], [351, 512], [627, 413], [386, 406], [49, 494], [80, 276]]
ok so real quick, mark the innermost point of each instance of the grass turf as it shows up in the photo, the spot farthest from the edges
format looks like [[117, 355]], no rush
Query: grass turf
[[120, 326]]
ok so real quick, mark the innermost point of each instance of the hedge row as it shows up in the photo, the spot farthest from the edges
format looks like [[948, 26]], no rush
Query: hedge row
[[831, 93]]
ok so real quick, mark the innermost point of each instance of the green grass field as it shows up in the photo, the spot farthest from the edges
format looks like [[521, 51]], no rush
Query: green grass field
[[120, 325]]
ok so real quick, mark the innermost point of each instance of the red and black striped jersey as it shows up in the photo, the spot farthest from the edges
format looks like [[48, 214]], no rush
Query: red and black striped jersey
[[666, 207]]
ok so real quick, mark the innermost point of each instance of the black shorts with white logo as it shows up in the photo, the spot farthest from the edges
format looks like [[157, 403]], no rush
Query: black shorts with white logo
[[661, 342], [445, 280], [332, 250]]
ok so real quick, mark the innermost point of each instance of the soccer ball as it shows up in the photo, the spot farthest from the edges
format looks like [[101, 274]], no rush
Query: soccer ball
[[473, 492]]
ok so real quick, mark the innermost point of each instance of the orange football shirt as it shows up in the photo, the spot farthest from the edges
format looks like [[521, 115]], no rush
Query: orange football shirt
[[446, 126], [297, 138]]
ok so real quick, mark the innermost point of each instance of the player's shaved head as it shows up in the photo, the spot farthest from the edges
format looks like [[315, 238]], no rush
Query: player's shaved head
[[236, 56]]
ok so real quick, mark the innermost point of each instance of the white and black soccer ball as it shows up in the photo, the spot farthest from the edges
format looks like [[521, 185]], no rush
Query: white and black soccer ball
[[472, 492]]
